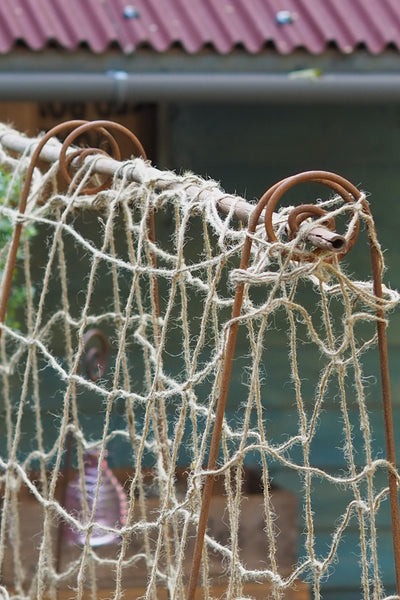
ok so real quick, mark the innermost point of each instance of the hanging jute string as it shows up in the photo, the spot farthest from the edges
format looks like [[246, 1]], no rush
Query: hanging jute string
[[153, 263]]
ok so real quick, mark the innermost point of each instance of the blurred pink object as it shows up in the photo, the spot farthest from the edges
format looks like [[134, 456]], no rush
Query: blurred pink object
[[112, 503]]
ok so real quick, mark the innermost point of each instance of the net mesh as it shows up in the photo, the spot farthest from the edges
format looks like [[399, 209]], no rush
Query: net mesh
[[161, 309]]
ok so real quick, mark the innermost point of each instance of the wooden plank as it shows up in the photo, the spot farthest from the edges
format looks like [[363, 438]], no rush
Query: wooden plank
[[253, 540], [299, 591], [23, 116]]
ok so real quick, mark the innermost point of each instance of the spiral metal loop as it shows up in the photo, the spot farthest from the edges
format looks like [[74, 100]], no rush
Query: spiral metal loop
[[104, 128], [346, 190], [67, 159], [305, 211]]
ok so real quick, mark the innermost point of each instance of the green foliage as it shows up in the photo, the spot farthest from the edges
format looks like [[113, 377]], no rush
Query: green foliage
[[10, 192]]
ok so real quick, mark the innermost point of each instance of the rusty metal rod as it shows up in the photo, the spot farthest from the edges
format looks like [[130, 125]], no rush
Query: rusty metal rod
[[220, 411], [387, 407]]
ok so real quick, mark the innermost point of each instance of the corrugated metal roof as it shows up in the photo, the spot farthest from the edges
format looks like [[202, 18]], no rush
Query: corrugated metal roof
[[223, 25]]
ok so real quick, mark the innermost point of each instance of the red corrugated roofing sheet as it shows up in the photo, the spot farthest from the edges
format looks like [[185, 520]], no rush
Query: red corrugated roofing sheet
[[223, 25]]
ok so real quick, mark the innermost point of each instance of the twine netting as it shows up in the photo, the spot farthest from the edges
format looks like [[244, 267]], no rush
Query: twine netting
[[307, 336]]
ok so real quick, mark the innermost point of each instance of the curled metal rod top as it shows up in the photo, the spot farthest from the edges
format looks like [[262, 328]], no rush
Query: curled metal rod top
[[78, 128], [323, 237]]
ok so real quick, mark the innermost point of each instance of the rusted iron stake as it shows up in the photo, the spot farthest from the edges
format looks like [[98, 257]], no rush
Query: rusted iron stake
[[387, 409], [219, 418]]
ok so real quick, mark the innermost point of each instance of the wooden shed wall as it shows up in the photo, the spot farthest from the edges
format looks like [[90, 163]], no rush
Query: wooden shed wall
[[32, 118]]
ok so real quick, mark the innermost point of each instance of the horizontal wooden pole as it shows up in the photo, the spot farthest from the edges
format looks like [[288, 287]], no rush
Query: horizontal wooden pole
[[226, 203]]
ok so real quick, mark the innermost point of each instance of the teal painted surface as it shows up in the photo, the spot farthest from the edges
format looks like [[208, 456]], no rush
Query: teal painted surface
[[248, 149]]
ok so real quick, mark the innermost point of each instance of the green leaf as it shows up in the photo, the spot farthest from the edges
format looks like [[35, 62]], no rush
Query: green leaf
[[10, 192]]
